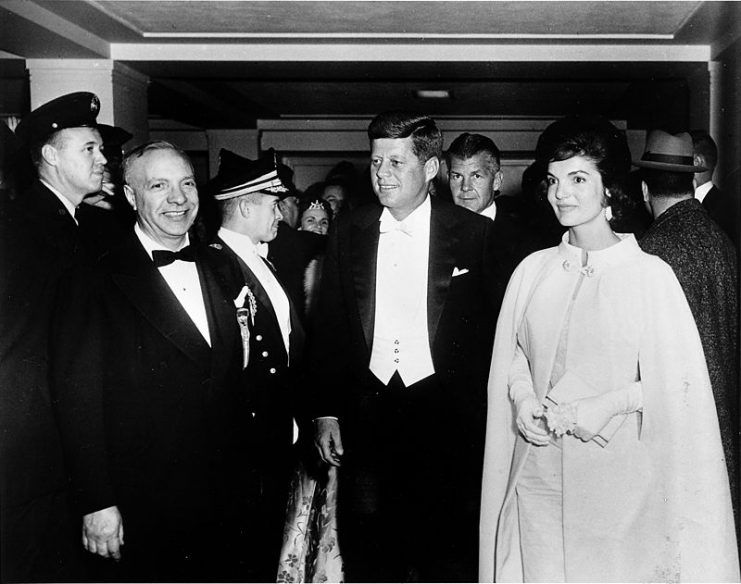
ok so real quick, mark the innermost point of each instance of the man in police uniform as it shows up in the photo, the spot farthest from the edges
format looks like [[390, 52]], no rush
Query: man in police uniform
[[248, 195], [40, 241]]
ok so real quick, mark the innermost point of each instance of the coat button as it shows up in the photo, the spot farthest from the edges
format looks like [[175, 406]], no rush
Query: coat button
[[396, 360], [253, 414], [258, 337], [272, 370], [264, 353]]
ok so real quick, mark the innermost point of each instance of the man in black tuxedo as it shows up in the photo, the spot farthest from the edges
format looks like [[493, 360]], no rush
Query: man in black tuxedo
[[721, 209], [41, 240], [475, 178], [409, 298], [248, 193], [148, 388]]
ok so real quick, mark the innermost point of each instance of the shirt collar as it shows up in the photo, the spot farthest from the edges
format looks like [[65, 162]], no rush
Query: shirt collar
[[490, 211], [71, 209], [417, 219], [242, 244], [151, 245], [702, 191]]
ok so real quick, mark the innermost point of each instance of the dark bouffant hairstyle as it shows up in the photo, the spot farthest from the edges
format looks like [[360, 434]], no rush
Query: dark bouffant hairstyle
[[595, 138], [427, 140], [469, 145]]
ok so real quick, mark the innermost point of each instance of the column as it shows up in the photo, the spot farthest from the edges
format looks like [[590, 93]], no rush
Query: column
[[122, 90]]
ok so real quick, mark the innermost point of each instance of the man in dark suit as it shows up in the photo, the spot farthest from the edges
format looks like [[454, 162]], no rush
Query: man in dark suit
[[705, 263], [148, 388], [40, 241], [248, 194], [475, 178], [720, 208], [409, 298]]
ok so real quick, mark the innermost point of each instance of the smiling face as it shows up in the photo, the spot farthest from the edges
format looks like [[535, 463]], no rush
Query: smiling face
[[474, 181], [576, 192], [162, 190], [400, 179], [315, 220], [75, 162]]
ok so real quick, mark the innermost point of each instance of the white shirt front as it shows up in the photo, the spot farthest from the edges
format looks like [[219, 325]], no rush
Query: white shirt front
[[182, 278], [400, 336], [71, 209], [702, 191], [250, 254]]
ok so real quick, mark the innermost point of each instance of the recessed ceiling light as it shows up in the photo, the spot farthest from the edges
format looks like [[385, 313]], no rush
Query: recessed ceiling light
[[433, 94]]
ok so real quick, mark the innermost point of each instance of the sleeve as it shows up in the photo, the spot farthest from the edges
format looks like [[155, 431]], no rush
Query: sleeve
[[520, 378], [78, 342]]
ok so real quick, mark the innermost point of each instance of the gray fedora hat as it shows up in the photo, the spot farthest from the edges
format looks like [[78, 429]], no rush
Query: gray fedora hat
[[670, 152]]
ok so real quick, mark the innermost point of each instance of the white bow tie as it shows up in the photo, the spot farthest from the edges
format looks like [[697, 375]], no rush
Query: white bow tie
[[261, 249], [391, 224]]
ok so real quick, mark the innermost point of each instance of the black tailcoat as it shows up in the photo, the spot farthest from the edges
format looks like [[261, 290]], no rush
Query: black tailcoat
[[149, 412], [432, 434]]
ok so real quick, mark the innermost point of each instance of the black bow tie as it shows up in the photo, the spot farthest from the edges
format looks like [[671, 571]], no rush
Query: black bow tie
[[162, 257]]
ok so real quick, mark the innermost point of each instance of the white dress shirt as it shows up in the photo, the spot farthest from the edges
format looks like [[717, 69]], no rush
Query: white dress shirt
[[490, 211], [400, 336], [182, 278], [702, 191], [250, 254], [71, 209]]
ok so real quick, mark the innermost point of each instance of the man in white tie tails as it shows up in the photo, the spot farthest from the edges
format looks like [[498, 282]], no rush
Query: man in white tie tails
[[148, 390], [409, 299], [248, 193]]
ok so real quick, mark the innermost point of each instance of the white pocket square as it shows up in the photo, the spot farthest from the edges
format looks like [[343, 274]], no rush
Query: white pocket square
[[457, 272]]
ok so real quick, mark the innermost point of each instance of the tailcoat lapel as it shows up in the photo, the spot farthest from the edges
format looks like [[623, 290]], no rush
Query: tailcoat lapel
[[364, 237], [443, 242], [135, 275]]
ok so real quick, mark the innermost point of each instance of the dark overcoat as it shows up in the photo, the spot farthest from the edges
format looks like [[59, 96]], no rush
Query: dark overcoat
[[704, 260]]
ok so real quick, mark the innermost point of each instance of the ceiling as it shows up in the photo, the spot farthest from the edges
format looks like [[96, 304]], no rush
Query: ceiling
[[228, 63]]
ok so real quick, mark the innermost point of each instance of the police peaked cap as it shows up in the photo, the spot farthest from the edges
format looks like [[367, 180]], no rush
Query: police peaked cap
[[74, 110]]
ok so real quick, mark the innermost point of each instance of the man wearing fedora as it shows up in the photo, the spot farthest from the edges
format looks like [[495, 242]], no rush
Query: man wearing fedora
[[248, 193], [41, 240], [704, 260]]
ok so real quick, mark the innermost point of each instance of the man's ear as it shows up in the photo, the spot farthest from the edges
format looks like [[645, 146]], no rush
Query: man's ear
[[497, 184], [129, 194], [644, 190], [49, 154], [698, 160], [432, 167], [244, 207]]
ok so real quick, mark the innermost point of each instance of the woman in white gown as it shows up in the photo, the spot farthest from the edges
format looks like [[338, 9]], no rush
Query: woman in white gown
[[603, 457]]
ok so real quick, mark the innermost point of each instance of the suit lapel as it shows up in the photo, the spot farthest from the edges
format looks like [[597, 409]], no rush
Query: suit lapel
[[134, 273], [364, 238], [443, 242], [220, 311]]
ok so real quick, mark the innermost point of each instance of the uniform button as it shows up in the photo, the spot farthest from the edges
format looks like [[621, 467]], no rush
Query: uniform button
[[396, 342], [272, 370], [258, 337], [396, 360], [396, 350], [62, 212], [264, 353]]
